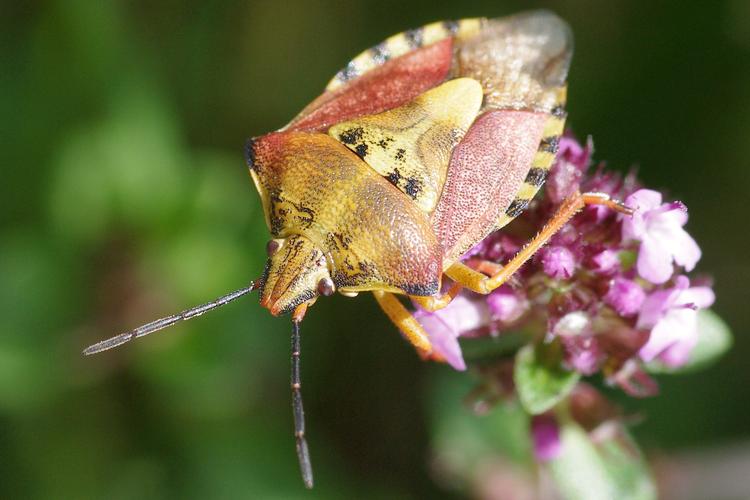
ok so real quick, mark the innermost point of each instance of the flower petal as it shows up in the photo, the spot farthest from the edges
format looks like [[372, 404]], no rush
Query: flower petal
[[678, 353], [464, 315], [642, 201], [685, 250], [658, 303], [654, 262], [700, 296], [446, 325], [444, 340], [678, 325]]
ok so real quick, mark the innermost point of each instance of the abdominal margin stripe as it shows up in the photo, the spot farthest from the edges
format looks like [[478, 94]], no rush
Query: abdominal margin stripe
[[400, 44], [540, 164]]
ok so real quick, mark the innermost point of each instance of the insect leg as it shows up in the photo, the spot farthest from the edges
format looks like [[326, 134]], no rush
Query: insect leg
[[405, 322], [485, 266], [480, 283], [432, 304], [435, 303]]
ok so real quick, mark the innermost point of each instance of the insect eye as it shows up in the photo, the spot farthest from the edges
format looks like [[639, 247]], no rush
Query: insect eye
[[272, 247], [326, 287]]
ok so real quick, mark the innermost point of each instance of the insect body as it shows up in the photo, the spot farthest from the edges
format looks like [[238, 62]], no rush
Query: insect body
[[416, 151]]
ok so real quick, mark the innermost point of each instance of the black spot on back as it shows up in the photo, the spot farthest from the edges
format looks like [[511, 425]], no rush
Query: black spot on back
[[413, 187], [361, 150], [400, 153], [383, 143], [394, 177], [351, 136]]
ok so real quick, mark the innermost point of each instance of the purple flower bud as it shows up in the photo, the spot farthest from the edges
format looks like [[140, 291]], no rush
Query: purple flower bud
[[625, 296], [572, 324], [505, 305], [558, 262], [584, 354], [634, 380], [545, 434], [605, 262]]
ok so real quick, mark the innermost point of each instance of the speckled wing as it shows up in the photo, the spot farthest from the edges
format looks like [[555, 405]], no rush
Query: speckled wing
[[387, 75], [411, 145], [522, 64]]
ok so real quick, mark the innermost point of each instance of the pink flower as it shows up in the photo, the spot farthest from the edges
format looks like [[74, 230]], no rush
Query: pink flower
[[672, 317], [545, 434], [573, 324], [605, 262], [583, 353], [625, 296], [659, 229], [446, 325], [506, 305], [606, 286], [558, 262]]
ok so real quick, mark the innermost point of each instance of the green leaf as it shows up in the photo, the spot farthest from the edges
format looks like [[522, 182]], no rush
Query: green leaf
[[462, 440], [540, 380], [627, 467], [613, 468], [714, 339]]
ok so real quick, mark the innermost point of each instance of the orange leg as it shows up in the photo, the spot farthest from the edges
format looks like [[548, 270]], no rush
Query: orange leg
[[478, 282], [405, 322], [436, 302], [484, 266]]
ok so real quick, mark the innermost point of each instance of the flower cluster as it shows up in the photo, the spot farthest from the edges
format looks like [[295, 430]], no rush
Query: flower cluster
[[609, 288]]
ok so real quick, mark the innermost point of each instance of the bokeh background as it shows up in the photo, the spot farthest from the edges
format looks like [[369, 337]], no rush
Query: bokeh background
[[125, 197]]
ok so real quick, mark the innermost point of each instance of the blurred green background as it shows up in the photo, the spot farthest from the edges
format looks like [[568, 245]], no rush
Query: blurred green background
[[125, 197]]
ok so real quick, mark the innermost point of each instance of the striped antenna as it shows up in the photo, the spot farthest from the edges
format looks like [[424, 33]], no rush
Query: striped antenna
[[162, 323], [303, 454]]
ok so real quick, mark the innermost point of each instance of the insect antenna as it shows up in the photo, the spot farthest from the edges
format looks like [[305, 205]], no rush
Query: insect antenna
[[303, 455], [161, 323]]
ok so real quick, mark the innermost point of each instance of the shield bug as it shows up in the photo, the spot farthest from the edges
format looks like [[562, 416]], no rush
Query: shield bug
[[416, 151]]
